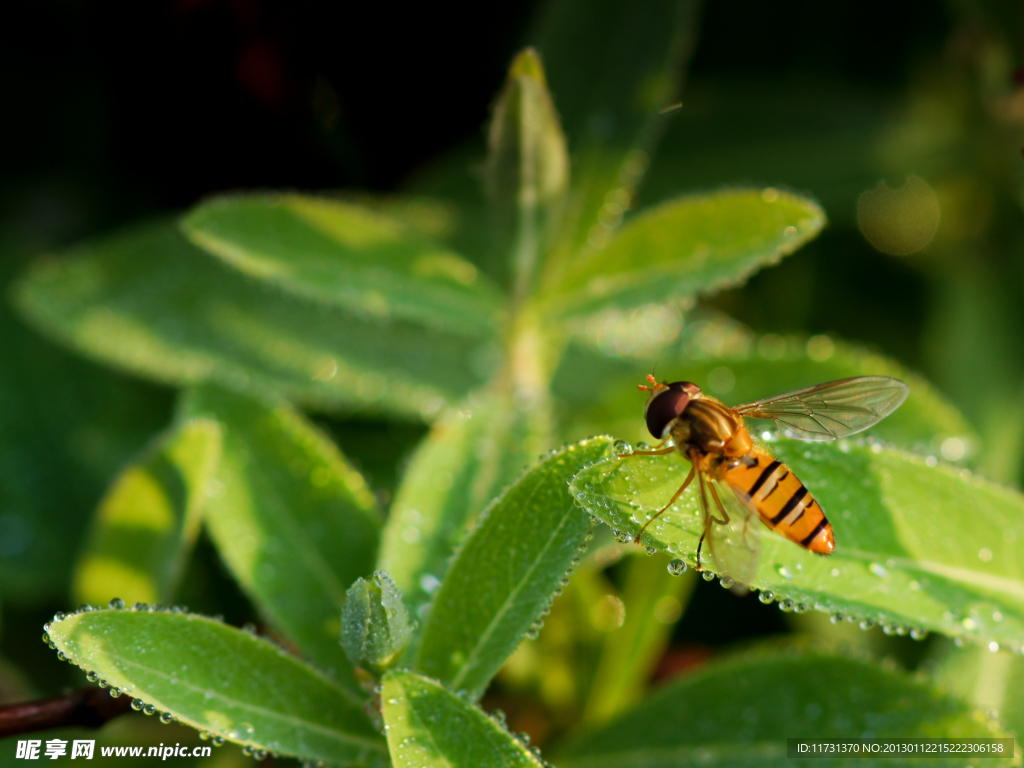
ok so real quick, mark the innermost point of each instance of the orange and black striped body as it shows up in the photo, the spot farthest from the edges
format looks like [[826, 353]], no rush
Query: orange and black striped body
[[715, 435], [783, 503]]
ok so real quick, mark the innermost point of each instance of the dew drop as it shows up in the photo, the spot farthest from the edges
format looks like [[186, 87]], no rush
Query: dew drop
[[766, 597], [725, 582], [217, 741], [784, 572], [867, 623], [787, 605], [707, 575], [650, 550], [137, 705], [166, 718], [879, 570], [115, 693], [92, 677], [149, 709], [677, 567], [836, 618], [993, 646], [918, 633], [622, 446]]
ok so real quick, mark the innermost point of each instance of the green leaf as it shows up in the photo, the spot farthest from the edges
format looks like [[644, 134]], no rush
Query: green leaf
[[504, 575], [698, 244], [294, 522], [465, 461], [740, 712], [654, 599], [527, 168], [918, 546], [737, 367], [147, 523], [429, 727], [221, 680], [148, 301], [66, 427], [612, 67], [347, 255]]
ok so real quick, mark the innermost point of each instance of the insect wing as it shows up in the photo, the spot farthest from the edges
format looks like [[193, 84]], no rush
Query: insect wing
[[735, 545], [831, 410]]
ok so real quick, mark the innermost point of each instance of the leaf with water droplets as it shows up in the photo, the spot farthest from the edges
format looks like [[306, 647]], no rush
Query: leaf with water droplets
[[224, 681], [147, 522], [506, 572], [692, 245], [917, 546], [294, 522], [465, 461], [148, 301], [348, 255], [739, 713], [430, 727]]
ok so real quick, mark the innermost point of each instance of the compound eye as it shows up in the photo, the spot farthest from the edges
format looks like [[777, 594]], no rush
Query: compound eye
[[667, 405]]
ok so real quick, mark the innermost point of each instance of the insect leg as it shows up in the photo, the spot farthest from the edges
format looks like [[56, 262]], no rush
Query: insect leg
[[689, 479], [721, 507], [707, 515]]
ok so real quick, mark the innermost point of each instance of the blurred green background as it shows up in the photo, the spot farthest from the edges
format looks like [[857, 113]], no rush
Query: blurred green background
[[119, 110]]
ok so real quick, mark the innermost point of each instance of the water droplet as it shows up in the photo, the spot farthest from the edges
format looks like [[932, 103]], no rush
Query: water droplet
[[918, 633], [622, 446], [867, 623], [993, 646], [836, 618], [725, 582], [137, 705], [217, 741], [650, 550], [242, 730], [92, 677], [677, 567], [879, 570], [787, 605], [115, 692], [149, 709], [784, 572], [997, 616], [204, 735], [707, 575], [985, 554], [166, 718], [621, 537], [767, 597]]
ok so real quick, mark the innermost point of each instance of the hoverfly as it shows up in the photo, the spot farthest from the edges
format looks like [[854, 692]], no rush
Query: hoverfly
[[714, 438]]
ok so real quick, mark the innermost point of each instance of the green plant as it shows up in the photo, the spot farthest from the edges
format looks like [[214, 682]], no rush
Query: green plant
[[493, 322]]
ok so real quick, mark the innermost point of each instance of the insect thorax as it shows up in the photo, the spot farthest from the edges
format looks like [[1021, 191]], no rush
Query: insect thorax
[[711, 428]]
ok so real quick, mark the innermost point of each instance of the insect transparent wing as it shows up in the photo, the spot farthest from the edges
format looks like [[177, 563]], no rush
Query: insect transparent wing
[[736, 545], [831, 410]]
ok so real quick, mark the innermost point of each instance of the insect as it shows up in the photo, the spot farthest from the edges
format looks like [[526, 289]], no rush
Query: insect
[[713, 436]]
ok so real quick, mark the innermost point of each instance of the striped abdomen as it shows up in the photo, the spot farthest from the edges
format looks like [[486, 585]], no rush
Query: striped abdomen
[[783, 502]]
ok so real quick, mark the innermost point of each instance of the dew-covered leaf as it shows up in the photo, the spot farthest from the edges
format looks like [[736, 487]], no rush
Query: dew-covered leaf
[[148, 301], [919, 547], [691, 245], [294, 522], [754, 368], [465, 461], [430, 727], [506, 571], [345, 254], [612, 67], [740, 712], [147, 523], [223, 681], [527, 168]]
